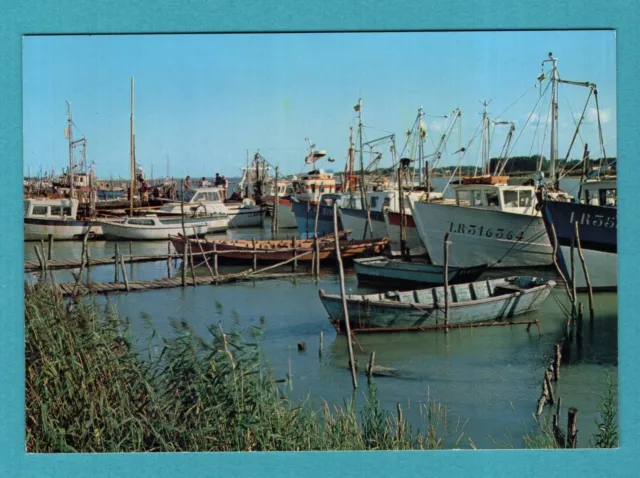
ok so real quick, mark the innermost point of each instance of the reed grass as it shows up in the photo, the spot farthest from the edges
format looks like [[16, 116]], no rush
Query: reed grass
[[88, 390]]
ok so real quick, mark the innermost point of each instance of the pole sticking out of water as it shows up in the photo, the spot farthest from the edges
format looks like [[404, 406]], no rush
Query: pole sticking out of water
[[446, 280], [586, 272], [343, 294]]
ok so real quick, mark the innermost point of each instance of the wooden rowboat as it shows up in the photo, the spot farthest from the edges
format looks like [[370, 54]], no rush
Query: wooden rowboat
[[279, 250], [482, 301]]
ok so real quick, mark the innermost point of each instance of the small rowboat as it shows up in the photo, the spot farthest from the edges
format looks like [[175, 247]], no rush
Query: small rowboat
[[386, 272], [482, 301], [275, 251]]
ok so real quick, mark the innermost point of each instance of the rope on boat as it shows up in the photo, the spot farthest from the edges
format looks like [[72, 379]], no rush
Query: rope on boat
[[514, 244]]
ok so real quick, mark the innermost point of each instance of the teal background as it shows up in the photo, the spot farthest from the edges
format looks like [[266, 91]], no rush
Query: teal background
[[87, 16]]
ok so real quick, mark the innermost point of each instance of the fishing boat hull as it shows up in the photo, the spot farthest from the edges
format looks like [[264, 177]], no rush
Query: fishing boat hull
[[356, 221], [305, 214], [117, 232], [60, 229], [597, 227], [278, 250], [286, 217], [245, 216], [413, 242], [215, 223], [474, 302], [381, 271], [482, 236]]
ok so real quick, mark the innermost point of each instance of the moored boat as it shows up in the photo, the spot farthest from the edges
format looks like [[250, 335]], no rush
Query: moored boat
[[274, 251], [597, 223], [55, 217], [392, 273], [482, 301], [151, 228]]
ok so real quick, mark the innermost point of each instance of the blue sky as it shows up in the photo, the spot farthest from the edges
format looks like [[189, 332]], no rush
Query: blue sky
[[204, 100]]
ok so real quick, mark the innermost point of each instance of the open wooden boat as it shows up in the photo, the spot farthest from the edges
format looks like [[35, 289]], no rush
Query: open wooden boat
[[491, 300], [150, 227], [382, 271], [279, 250]]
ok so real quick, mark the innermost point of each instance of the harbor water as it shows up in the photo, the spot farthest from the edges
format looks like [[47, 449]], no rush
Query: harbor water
[[488, 378]]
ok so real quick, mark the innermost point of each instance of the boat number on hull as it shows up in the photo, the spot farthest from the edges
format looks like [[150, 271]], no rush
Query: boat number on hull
[[596, 220], [495, 233]]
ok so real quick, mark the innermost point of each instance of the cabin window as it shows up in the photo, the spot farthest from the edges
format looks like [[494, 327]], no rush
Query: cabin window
[[608, 197], [374, 201], [142, 222], [511, 198], [387, 202], [39, 211], [493, 199], [478, 199], [313, 188], [463, 197], [525, 198], [56, 211], [66, 211], [188, 195]]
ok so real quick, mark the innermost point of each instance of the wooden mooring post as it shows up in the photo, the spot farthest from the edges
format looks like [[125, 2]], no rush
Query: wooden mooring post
[[276, 202], [371, 364], [215, 259], [572, 427], [343, 294], [50, 247], [320, 346], [294, 244], [585, 270], [185, 262], [316, 246], [556, 362], [574, 308], [124, 272], [446, 280], [116, 264], [40, 259], [193, 268], [255, 254], [169, 260]]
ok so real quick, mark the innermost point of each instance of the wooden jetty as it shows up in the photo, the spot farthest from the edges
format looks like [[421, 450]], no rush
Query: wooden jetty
[[34, 265], [67, 288]]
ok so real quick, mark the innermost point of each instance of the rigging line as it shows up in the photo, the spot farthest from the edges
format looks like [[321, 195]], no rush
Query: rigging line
[[522, 130], [579, 135], [515, 243], [512, 104]]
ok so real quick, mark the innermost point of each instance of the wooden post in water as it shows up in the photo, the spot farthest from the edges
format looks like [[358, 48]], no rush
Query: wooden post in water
[[343, 294], [316, 245], [215, 259], [370, 365], [317, 218], [276, 202], [446, 280], [206, 260], [116, 264], [169, 259], [40, 259], [547, 379], [403, 232], [585, 270], [124, 273], [572, 430], [49, 251], [320, 346], [85, 247], [193, 268], [573, 281], [185, 261], [255, 254], [556, 363], [295, 254]]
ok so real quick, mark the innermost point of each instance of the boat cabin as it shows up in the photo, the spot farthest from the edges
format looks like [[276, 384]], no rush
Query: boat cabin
[[311, 185], [600, 192], [51, 208], [501, 197], [202, 195]]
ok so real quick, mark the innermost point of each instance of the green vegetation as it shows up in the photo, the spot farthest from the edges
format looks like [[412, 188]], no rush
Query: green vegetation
[[87, 390]]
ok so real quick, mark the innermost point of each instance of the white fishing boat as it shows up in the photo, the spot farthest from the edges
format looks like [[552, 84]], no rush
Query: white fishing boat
[[152, 228], [55, 217], [491, 221], [203, 203], [413, 243], [286, 217], [245, 213], [482, 301]]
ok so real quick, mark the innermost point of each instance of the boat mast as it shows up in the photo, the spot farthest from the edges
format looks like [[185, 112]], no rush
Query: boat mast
[[131, 148], [351, 158], [421, 172], [70, 137], [358, 108], [485, 139], [553, 154]]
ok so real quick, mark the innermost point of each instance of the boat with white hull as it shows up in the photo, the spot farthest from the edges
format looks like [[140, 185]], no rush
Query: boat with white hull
[[56, 218], [501, 229], [245, 214], [203, 203], [414, 244], [152, 228]]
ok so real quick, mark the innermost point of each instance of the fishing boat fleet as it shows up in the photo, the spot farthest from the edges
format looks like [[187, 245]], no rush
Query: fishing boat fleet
[[427, 248]]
